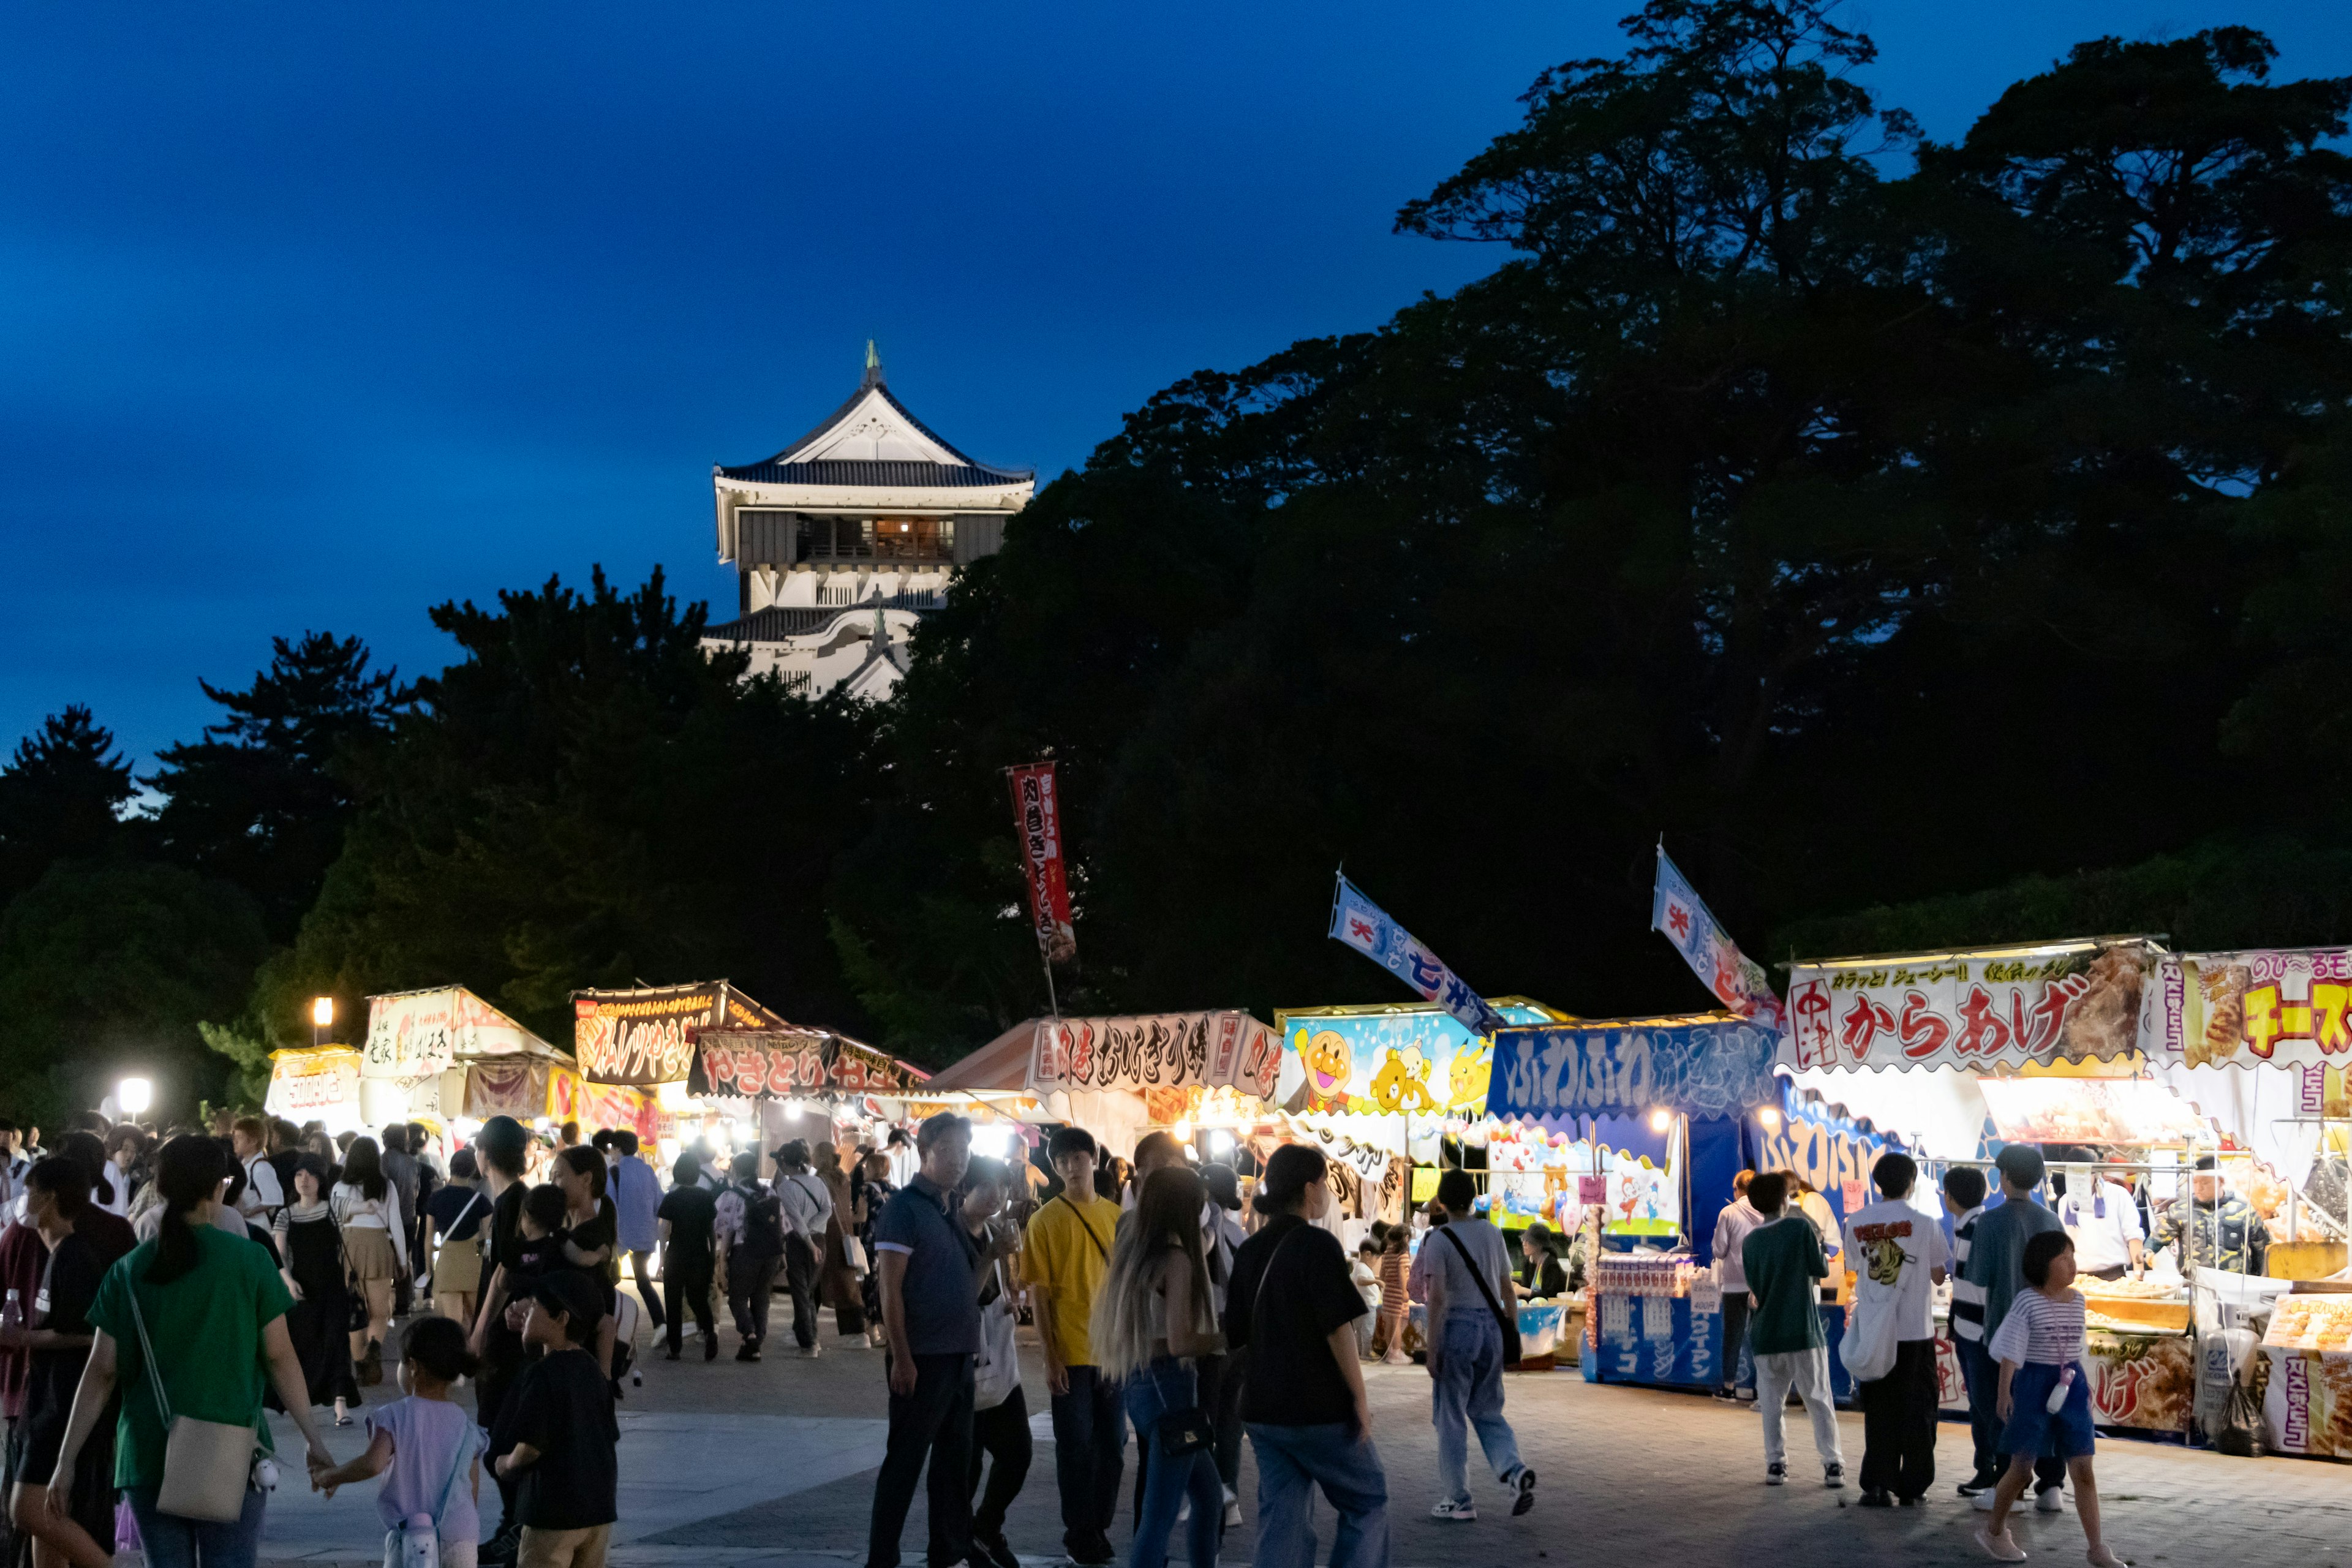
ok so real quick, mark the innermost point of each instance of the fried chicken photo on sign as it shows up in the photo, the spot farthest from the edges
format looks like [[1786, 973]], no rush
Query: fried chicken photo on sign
[[2224, 987], [2105, 1020]]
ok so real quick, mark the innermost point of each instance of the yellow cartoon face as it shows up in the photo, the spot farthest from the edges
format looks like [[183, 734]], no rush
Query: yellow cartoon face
[[1473, 1068], [1402, 1082], [1326, 1057]]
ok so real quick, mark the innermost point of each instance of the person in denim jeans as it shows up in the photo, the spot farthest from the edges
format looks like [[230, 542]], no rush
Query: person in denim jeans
[[1154, 1317], [1291, 1312], [1466, 1353]]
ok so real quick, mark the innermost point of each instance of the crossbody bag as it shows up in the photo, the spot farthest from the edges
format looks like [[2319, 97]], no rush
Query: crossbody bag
[[1509, 1322], [207, 1465]]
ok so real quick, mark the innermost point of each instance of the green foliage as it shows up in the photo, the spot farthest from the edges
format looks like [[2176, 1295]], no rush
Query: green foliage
[[586, 798], [111, 968], [61, 798], [250, 1084]]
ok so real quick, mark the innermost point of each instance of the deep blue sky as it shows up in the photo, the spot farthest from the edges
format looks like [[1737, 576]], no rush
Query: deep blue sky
[[313, 316]]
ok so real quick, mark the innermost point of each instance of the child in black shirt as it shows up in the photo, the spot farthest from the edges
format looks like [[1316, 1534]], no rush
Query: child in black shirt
[[559, 1432]]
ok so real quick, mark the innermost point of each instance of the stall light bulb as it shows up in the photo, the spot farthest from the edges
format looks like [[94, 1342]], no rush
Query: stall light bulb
[[1661, 1119], [1768, 1119], [323, 1011], [134, 1095], [1221, 1144], [1184, 1130], [794, 1106]]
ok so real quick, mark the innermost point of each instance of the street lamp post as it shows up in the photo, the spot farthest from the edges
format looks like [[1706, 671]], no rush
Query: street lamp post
[[323, 1016], [134, 1095]]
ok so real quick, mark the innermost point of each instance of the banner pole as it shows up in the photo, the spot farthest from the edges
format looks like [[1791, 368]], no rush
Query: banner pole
[[1050, 1000]]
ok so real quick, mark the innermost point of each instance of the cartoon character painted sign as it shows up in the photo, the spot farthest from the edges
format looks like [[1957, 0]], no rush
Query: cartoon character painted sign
[[1401, 1060]]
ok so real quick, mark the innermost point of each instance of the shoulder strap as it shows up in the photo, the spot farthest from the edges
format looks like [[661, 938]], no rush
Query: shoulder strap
[[1478, 1274], [1258, 1296], [466, 1451], [146, 1350], [1063, 1198]]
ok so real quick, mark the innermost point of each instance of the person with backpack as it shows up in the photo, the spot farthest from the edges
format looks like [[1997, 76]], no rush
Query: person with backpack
[[807, 1211], [1900, 1255], [1064, 1256], [1469, 1279], [751, 1232], [427, 1448]]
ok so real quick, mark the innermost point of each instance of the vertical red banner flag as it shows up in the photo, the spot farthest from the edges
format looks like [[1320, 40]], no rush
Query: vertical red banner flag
[[1037, 817]]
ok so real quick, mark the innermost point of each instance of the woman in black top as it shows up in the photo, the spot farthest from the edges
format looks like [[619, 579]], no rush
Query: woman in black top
[[593, 1242], [1540, 1273], [310, 1260], [56, 1331], [1294, 1305]]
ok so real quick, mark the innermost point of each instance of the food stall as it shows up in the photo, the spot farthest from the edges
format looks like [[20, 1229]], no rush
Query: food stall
[[1700, 1090], [447, 1058], [771, 1078], [635, 1048], [317, 1083]]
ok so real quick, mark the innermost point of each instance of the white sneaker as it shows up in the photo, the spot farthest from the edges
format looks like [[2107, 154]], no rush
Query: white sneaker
[[1232, 1519], [1449, 1509], [1982, 1501], [2051, 1501]]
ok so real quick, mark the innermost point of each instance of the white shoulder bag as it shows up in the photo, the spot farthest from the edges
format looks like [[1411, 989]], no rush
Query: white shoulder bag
[[207, 1465]]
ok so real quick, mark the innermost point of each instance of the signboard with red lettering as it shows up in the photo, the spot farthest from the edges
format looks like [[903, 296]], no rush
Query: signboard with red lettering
[[1038, 819], [643, 1037], [2062, 1002], [1158, 1051], [2290, 1006], [752, 1064]]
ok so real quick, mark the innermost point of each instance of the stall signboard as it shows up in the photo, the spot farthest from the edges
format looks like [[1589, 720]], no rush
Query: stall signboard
[[416, 1034], [318, 1085], [753, 1063], [1703, 1068], [1409, 1059], [645, 1038], [2096, 998], [2090, 1111], [1834, 1153], [1227, 1049], [512, 1086], [2278, 1006], [572, 1098]]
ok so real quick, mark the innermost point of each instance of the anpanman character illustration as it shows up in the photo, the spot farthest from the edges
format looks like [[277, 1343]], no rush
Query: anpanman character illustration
[[1327, 1061]]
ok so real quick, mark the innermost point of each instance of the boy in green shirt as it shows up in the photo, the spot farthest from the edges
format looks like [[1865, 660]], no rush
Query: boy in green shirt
[[1782, 1259]]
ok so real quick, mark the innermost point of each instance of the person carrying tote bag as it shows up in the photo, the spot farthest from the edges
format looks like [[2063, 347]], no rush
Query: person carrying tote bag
[[189, 1325]]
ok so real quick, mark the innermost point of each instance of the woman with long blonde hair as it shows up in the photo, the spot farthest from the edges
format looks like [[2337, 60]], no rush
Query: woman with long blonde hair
[[1152, 1316]]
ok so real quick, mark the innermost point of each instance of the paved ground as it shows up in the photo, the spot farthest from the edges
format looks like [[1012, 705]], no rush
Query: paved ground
[[772, 1467]]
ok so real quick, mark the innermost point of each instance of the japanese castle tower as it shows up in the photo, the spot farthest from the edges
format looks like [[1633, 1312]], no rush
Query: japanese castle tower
[[843, 539]]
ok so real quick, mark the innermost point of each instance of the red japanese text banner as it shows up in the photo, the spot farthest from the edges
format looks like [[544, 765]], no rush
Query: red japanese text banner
[[1037, 817], [1996, 1007], [751, 1063]]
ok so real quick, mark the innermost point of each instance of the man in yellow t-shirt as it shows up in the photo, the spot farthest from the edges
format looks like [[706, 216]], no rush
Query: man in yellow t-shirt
[[1064, 1255]]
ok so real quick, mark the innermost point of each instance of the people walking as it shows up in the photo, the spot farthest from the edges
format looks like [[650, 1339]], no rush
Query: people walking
[[1292, 1308], [875, 1189], [558, 1440], [403, 1172], [1224, 1238], [376, 1245], [1396, 1262], [1000, 1419], [1469, 1281], [750, 1227], [1964, 1196], [1064, 1258], [1996, 1266], [312, 1263], [592, 1238], [188, 1325], [1736, 1370], [2045, 1396], [839, 1278], [685, 1220], [56, 1333], [428, 1450], [637, 1209], [502, 1150], [928, 1265], [1783, 1259], [456, 1217], [1900, 1255], [808, 1213], [263, 1194]]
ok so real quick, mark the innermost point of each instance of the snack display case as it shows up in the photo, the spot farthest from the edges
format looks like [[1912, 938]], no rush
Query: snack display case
[[2308, 1393]]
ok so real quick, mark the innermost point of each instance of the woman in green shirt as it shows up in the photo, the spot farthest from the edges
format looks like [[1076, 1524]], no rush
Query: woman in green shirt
[[214, 1311]]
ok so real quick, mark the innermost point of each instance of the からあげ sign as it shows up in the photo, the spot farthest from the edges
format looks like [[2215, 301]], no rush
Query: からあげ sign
[[2088, 999]]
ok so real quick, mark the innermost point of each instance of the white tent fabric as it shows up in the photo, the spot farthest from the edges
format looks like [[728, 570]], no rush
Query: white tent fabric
[[1937, 1111]]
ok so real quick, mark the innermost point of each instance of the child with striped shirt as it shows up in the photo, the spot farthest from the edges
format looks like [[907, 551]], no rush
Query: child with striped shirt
[[2045, 1396]]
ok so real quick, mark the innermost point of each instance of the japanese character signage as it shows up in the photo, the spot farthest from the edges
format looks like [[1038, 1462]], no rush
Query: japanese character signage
[[318, 1085], [776, 1063], [1401, 1059], [414, 1034], [1037, 817], [1159, 1050], [1359, 922], [1737, 980], [644, 1036], [2069, 1002], [1718, 1068], [2289, 1006]]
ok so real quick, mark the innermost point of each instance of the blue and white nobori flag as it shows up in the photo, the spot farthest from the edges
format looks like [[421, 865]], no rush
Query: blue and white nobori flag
[[1737, 980], [1359, 922]]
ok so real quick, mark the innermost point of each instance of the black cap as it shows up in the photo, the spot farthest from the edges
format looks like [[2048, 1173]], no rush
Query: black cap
[[1224, 1188], [573, 1294], [2205, 1161]]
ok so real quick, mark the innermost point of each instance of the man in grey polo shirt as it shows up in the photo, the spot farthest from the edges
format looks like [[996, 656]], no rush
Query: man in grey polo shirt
[[930, 1313]]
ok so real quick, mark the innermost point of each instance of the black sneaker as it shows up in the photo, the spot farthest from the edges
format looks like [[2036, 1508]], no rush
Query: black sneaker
[[1911, 1501], [1776, 1474], [1975, 1484], [1523, 1490], [1834, 1476], [710, 1347], [993, 1550], [1871, 1498], [747, 1351]]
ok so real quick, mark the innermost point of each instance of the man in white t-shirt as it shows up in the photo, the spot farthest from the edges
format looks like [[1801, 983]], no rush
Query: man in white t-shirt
[[1890, 1243], [2104, 1224]]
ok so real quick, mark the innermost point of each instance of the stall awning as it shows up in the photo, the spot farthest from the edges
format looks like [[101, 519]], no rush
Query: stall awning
[[999, 1067], [412, 1035], [1984, 1008]]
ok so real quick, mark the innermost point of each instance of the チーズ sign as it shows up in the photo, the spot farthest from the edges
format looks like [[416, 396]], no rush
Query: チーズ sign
[[644, 1036], [2064, 1002], [1158, 1051], [1038, 819], [2279, 1006]]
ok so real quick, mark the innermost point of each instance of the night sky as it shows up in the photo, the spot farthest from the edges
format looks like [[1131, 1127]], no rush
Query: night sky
[[313, 316]]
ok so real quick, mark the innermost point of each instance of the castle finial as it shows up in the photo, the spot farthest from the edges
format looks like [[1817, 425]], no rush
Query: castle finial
[[873, 365]]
